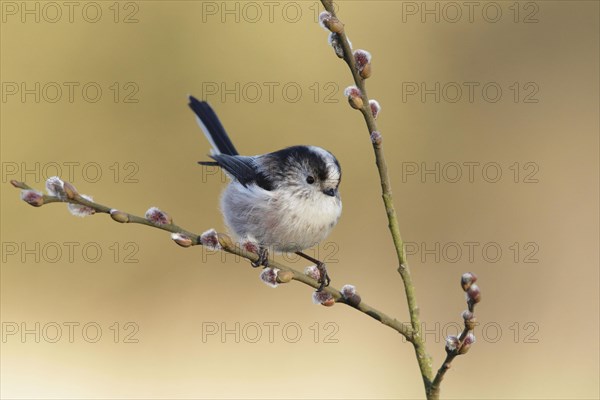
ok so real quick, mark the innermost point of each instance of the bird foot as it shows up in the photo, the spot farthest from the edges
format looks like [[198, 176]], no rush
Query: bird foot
[[263, 258], [324, 279]]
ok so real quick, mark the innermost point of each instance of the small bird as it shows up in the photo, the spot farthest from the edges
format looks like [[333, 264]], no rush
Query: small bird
[[287, 200]]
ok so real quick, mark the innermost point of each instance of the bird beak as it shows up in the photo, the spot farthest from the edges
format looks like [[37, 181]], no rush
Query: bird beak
[[330, 192]]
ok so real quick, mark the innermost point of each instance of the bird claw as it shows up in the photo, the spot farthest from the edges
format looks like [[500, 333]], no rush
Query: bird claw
[[263, 258], [324, 279]]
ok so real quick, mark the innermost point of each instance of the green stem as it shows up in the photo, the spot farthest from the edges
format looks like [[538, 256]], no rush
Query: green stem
[[423, 358]]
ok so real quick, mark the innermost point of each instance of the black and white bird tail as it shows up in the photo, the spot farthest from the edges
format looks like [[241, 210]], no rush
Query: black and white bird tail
[[212, 128]]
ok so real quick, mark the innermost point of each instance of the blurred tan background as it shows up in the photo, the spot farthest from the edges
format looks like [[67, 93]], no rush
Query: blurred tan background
[[124, 313]]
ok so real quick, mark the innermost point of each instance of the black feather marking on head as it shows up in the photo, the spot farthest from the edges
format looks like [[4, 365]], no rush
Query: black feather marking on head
[[298, 160]]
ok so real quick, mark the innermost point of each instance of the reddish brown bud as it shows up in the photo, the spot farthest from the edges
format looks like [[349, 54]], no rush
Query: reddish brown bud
[[330, 22], [158, 217], [349, 294], [474, 294], [329, 302], [376, 138], [181, 239], [70, 190], [366, 71], [354, 300], [361, 59], [322, 297], [354, 97], [355, 102], [210, 238], [467, 279], [32, 197], [375, 108], [467, 342], [269, 276]]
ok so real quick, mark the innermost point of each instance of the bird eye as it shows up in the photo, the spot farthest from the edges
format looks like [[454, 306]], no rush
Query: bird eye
[[310, 179]]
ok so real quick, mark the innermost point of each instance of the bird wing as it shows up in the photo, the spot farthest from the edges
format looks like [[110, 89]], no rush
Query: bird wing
[[243, 168]]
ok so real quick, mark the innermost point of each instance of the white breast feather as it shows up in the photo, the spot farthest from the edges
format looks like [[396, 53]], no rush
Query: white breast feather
[[278, 220]]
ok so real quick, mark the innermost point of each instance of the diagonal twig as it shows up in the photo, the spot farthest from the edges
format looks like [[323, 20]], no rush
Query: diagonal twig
[[224, 243]]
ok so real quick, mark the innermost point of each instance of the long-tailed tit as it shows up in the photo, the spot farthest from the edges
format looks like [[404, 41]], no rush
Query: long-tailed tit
[[287, 200]]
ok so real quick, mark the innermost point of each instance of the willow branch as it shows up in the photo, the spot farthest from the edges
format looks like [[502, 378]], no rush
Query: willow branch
[[386, 188], [458, 345], [222, 242]]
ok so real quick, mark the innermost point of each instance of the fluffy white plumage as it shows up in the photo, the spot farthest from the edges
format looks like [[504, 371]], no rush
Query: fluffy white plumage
[[280, 219]]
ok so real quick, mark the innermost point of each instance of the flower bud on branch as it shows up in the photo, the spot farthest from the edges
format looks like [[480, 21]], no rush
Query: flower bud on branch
[[210, 238], [55, 187], [119, 216], [329, 22], [452, 343], [285, 276], [457, 345], [181, 239], [70, 190], [269, 276], [354, 96], [225, 241], [158, 217], [32, 197], [323, 298], [79, 210], [466, 344], [362, 61], [467, 279], [335, 42], [473, 294], [376, 138], [313, 272], [375, 108], [470, 323], [350, 295]]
